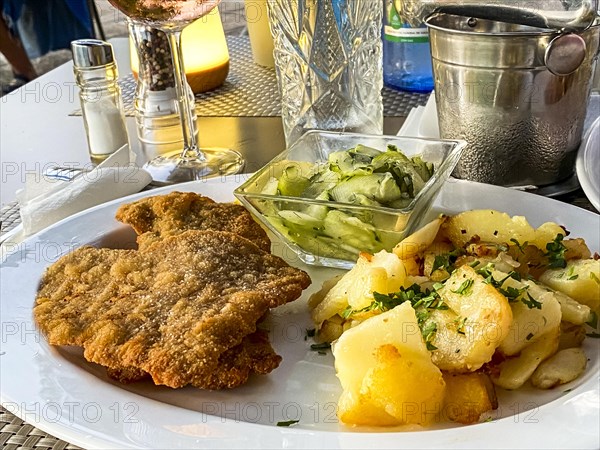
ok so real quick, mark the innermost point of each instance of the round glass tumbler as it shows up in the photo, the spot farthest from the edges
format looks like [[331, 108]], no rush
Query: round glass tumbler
[[192, 162], [328, 58]]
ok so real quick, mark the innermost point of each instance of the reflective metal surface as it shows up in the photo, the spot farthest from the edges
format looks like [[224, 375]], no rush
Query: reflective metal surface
[[493, 89], [568, 15]]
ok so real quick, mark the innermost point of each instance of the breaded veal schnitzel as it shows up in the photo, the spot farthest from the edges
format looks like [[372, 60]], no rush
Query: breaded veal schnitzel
[[184, 308], [160, 216]]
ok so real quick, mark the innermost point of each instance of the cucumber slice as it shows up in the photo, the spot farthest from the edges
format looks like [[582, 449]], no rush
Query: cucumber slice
[[321, 182], [349, 164], [319, 211], [292, 181], [424, 169], [351, 231], [270, 187], [365, 150], [301, 220], [381, 187]]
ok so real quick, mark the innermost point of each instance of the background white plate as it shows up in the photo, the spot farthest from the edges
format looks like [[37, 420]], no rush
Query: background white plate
[[588, 164], [57, 391]]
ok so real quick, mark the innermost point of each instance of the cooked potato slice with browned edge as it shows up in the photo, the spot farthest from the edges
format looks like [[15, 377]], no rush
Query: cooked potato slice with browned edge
[[498, 228], [417, 242], [580, 280], [535, 312], [382, 272], [386, 372], [468, 396], [514, 372], [564, 366], [477, 320]]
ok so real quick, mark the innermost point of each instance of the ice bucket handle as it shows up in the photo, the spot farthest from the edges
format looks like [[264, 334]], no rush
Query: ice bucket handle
[[562, 15], [565, 53]]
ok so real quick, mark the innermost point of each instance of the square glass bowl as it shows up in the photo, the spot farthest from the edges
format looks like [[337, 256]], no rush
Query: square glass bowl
[[330, 233]]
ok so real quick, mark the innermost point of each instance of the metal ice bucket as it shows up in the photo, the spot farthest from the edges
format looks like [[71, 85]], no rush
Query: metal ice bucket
[[517, 94]]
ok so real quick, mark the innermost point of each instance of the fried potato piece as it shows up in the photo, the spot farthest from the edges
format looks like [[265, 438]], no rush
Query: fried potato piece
[[468, 396], [176, 309], [160, 216]]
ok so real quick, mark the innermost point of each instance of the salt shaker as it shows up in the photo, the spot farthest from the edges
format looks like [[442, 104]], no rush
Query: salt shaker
[[100, 95]]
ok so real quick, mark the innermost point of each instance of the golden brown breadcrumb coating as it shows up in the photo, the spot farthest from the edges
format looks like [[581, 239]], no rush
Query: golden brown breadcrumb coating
[[182, 309], [160, 216]]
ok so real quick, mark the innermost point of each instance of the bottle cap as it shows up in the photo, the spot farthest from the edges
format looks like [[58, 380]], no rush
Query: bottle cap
[[91, 53]]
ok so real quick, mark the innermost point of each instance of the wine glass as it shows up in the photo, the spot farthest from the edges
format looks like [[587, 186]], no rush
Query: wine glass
[[192, 163]]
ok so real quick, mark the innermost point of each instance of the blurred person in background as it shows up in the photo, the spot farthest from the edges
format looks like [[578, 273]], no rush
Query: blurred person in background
[[32, 28]]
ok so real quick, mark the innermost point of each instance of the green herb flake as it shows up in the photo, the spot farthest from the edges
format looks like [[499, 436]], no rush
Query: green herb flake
[[593, 335], [593, 320], [310, 332], [566, 391], [322, 346], [571, 275], [465, 287], [511, 293], [529, 336], [287, 423], [521, 247], [460, 325], [440, 262], [486, 273], [531, 302], [556, 253], [594, 277]]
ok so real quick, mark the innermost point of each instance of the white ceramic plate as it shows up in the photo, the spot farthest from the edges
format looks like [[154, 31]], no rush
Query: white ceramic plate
[[588, 164], [59, 392]]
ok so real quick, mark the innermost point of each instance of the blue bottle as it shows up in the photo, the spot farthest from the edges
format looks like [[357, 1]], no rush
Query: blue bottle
[[406, 53]]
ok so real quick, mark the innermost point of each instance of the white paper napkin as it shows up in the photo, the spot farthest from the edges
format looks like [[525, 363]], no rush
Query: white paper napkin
[[44, 201], [422, 121]]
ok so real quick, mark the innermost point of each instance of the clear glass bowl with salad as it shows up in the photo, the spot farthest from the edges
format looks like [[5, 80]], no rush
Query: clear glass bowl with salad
[[331, 196]]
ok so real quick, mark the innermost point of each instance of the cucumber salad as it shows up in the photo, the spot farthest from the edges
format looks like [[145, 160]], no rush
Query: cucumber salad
[[354, 178]]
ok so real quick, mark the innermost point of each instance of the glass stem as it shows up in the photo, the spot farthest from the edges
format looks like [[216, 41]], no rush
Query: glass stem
[[190, 144]]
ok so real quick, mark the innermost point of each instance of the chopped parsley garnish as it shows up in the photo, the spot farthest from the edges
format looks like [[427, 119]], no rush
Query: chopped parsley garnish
[[488, 278], [322, 346], [593, 335], [465, 287], [428, 331], [287, 423], [511, 293], [440, 262], [460, 325], [571, 275], [310, 332], [423, 302], [556, 253], [594, 277], [529, 336], [531, 302], [593, 320], [520, 246], [446, 261]]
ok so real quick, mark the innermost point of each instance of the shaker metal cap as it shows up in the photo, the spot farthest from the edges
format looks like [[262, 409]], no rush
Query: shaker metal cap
[[91, 53]]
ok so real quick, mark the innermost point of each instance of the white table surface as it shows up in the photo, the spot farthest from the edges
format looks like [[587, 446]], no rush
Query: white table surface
[[36, 131]]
